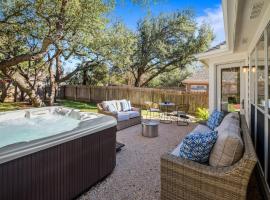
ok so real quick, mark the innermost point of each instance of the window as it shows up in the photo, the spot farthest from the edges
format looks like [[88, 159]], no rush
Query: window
[[230, 89], [202, 88], [260, 74], [252, 78], [268, 53]]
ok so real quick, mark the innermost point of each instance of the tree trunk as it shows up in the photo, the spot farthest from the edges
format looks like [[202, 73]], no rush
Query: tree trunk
[[24, 86], [53, 85], [85, 78], [22, 96], [138, 81], [4, 89], [15, 93], [52, 98]]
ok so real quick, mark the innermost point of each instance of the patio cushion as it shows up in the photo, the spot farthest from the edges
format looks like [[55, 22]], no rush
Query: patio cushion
[[197, 146], [133, 114], [233, 115], [229, 147], [175, 152], [125, 105], [122, 116], [215, 119], [201, 129], [118, 105], [229, 120]]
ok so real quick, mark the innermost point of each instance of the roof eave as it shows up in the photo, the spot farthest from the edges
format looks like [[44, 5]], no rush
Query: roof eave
[[212, 54]]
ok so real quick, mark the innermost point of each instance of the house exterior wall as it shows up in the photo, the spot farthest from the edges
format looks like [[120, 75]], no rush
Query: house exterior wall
[[225, 60], [256, 55]]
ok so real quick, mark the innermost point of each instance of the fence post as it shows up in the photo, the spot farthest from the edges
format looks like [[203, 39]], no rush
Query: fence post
[[75, 94]]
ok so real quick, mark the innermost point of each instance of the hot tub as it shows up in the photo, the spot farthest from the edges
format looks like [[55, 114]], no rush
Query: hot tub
[[54, 152]]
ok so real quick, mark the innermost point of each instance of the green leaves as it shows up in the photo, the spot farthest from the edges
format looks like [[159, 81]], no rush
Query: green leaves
[[165, 43]]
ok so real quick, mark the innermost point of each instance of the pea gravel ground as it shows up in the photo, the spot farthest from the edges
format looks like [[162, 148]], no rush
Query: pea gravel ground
[[137, 172]]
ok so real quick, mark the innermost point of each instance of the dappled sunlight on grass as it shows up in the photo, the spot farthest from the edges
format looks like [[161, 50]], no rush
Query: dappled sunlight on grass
[[82, 106], [13, 106]]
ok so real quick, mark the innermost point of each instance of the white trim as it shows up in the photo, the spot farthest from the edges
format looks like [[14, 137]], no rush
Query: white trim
[[225, 19], [228, 65], [213, 53], [260, 29], [266, 104], [255, 99]]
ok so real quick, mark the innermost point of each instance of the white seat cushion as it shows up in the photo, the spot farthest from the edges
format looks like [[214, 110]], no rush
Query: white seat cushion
[[125, 105], [133, 114], [122, 116], [154, 110], [175, 152]]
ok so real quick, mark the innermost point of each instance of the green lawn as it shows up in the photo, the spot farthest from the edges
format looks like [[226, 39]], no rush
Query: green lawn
[[13, 106], [85, 107]]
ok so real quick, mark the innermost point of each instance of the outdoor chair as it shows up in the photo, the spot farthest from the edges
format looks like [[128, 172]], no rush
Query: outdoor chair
[[151, 109], [183, 179], [180, 113]]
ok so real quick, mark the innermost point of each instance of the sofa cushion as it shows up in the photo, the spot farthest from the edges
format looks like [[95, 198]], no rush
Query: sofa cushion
[[215, 119], [201, 129], [125, 106], [118, 105], [229, 146], [175, 152], [133, 114], [122, 116], [233, 115], [197, 146], [229, 120], [109, 106]]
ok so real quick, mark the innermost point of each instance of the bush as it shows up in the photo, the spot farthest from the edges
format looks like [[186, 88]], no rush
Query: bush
[[202, 113]]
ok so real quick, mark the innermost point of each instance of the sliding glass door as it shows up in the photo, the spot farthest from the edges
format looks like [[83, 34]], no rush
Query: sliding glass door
[[259, 95], [229, 89]]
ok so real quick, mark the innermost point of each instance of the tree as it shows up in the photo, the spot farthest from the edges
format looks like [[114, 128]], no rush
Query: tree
[[49, 30], [173, 78], [165, 43], [98, 75], [4, 86]]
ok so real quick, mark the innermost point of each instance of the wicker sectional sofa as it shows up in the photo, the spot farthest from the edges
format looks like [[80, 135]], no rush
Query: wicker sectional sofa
[[124, 119], [189, 180]]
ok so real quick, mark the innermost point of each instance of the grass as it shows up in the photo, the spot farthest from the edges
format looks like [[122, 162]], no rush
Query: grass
[[85, 107], [13, 106]]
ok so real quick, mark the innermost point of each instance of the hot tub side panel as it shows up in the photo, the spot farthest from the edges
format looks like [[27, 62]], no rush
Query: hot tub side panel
[[60, 172]]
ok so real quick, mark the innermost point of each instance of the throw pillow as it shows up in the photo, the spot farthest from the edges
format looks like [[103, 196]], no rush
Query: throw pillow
[[111, 108], [215, 119], [125, 105], [197, 146]]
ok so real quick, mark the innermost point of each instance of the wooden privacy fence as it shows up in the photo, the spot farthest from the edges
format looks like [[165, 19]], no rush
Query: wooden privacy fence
[[137, 96]]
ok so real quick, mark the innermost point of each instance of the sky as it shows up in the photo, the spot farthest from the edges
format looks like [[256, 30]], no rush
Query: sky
[[205, 10], [209, 11]]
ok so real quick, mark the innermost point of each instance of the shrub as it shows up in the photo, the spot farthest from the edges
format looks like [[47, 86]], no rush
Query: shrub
[[202, 113]]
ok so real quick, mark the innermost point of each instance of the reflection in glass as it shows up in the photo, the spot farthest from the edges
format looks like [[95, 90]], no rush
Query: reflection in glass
[[260, 74], [268, 47], [230, 89], [252, 77]]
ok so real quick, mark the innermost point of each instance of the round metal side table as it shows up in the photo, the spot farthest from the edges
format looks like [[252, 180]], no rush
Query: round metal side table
[[150, 128]]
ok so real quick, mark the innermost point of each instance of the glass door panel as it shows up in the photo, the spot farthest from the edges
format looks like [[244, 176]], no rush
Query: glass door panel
[[230, 89]]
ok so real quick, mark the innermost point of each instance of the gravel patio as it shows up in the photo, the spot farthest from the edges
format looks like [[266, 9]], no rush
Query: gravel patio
[[137, 172]]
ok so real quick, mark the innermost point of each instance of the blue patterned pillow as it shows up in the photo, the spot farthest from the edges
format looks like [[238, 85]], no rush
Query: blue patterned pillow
[[215, 119], [197, 146]]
